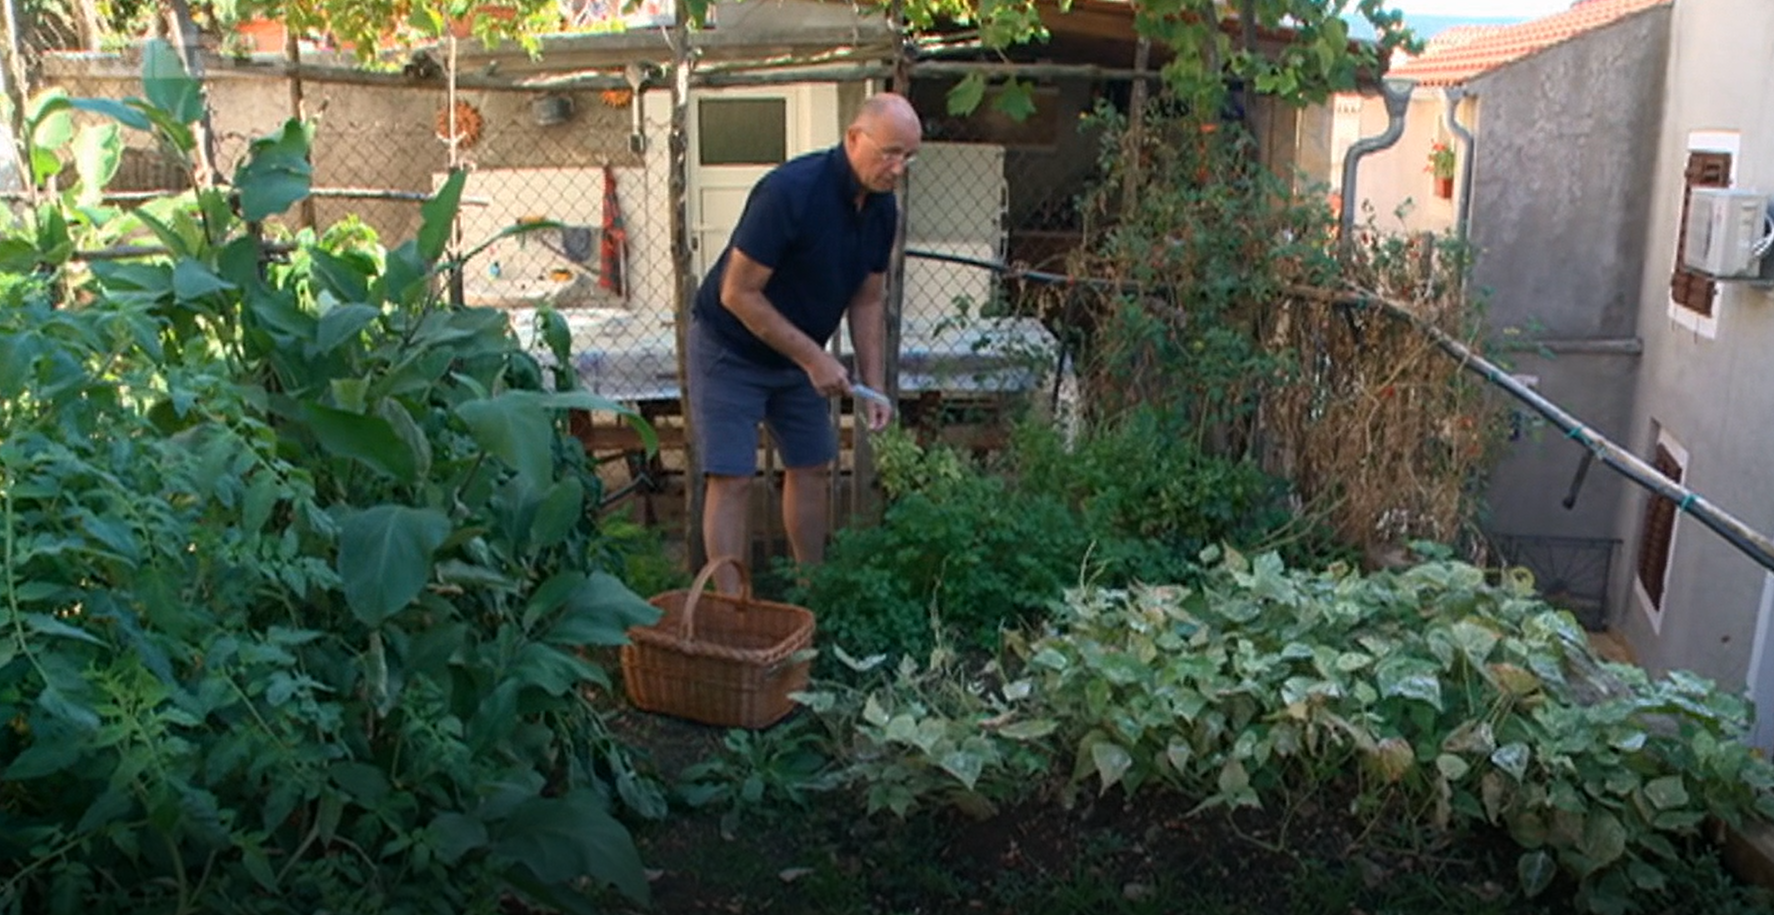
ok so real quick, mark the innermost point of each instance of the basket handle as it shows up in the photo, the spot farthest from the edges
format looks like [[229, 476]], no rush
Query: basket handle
[[687, 627]]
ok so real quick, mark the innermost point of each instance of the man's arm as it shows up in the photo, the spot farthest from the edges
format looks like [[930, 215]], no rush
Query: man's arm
[[742, 293], [868, 336], [868, 330]]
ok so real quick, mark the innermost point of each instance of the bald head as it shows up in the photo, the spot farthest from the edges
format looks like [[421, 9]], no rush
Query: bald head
[[887, 108], [882, 140]]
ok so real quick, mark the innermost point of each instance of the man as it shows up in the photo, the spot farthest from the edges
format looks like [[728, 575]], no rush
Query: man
[[810, 248]]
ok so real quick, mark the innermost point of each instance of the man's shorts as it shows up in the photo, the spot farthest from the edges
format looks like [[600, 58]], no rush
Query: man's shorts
[[730, 395]]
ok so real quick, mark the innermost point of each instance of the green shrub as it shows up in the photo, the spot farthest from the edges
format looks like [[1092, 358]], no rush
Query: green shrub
[[1458, 701], [970, 552], [297, 566]]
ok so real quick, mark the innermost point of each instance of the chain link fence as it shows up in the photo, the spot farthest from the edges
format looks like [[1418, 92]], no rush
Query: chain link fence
[[569, 158], [986, 190], [992, 189]]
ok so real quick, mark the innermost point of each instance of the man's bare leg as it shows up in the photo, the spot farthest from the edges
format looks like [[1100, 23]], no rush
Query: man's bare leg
[[726, 509], [806, 504]]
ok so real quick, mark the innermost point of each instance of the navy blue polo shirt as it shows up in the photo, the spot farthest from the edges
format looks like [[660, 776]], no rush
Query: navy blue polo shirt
[[801, 221]]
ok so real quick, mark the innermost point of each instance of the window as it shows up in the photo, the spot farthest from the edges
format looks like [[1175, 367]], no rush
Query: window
[[1688, 289], [742, 131], [1657, 533]]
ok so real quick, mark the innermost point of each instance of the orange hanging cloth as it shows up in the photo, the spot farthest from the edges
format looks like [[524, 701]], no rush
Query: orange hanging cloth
[[614, 242]]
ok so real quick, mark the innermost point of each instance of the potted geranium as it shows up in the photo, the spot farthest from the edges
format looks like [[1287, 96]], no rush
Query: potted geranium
[[1441, 167]]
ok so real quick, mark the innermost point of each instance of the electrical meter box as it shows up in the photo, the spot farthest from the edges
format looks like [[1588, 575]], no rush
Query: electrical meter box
[[1730, 232]]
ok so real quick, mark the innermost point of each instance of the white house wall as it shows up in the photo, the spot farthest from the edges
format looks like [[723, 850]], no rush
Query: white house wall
[[1715, 394]]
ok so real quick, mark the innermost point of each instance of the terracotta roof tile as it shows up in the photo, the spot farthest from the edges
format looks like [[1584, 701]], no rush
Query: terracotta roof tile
[[1466, 55]]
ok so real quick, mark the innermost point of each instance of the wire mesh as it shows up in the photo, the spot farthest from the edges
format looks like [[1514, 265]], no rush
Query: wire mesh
[[990, 187]]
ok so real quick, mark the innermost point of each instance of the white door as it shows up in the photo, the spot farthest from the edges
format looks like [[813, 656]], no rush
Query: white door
[[738, 135]]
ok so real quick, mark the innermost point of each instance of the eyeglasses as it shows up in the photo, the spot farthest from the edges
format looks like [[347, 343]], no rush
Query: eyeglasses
[[891, 155]]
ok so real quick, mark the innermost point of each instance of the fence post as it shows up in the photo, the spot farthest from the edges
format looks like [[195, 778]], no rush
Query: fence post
[[185, 34], [684, 274], [292, 52], [18, 92], [1134, 143], [862, 477]]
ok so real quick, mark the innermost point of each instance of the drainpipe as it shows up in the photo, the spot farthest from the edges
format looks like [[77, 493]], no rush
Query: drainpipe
[[1463, 207], [1397, 93]]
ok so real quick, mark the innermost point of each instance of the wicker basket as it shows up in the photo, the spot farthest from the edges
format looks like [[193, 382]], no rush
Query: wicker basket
[[716, 658]]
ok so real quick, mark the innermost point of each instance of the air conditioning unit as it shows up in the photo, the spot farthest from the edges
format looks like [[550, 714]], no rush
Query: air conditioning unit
[[1730, 234]]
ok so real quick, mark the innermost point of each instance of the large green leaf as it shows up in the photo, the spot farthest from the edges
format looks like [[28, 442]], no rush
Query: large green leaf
[[139, 284], [585, 400], [1535, 870], [125, 114], [18, 360], [966, 95], [1411, 678], [368, 439], [340, 324], [405, 274], [98, 150], [167, 84], [559, 840], [192, 281], [555, 671], [516, 429], [46, 756], [456, 834], [346, 277], [438, 216], [599, 611], [561, 507], [385, 557], [276, 173]]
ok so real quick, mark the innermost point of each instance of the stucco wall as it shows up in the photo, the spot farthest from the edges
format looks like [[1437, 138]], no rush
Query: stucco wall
[[1563, 158], [1566, 147], [1715, 395]]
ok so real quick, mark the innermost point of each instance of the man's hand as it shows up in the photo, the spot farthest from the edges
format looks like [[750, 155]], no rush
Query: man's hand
[[827, 374], [879, 414]]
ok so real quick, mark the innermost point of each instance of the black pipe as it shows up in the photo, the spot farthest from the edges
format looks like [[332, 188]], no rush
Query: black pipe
[[1577, 482]]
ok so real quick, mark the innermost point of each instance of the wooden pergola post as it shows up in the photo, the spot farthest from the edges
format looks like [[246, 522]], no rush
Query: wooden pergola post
[[684, 272], [863, 501]]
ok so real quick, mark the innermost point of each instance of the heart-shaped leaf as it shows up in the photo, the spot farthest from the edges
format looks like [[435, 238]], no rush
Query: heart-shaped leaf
[[385, 557]]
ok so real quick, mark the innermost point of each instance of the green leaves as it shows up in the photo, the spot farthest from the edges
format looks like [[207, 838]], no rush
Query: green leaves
[[370, 440], [966, 95], [515, 428], [168, 86], [1535, 869], [1410, 678], [438, 216], [216, 444], [276, 172], [385, 557], [596, 609], [97, 153], [1219, 693], [558, 840]]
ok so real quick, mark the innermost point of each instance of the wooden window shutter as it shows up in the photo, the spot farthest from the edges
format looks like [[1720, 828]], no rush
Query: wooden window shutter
[[1687, 288], [1657, 532]]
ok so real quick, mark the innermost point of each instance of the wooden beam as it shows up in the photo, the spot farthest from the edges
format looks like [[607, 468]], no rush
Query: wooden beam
[[338, 193], [684, 272], [1029, 71]]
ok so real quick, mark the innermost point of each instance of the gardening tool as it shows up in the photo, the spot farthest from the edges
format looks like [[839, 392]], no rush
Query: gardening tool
[[864, 392]]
